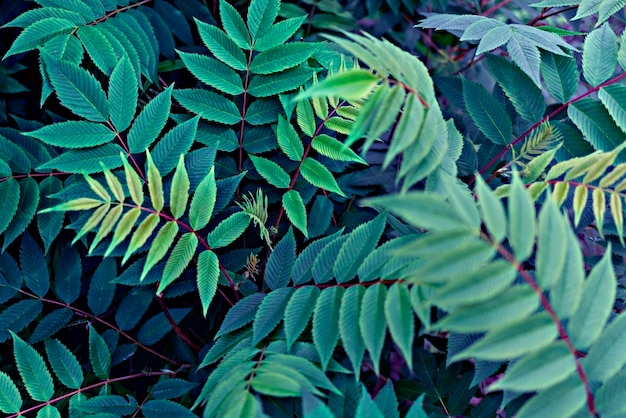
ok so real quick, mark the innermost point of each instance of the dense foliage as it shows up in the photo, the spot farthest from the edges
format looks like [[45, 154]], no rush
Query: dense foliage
[[315, 208]]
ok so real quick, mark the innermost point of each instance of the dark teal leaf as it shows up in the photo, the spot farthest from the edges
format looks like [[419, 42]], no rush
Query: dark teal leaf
[[101, 289], [17, 316], [270, 313], [156, 327], [487, 113], [34, 266], [64, 364], [280, 262], [241, 314], [33, 370], [175, 142], [150, 122]]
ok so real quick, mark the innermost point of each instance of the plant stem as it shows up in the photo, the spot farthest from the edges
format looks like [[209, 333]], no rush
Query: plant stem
[[116, 11], [175, 326]]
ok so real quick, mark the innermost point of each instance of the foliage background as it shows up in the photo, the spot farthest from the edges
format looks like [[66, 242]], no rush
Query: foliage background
[[312, 208]]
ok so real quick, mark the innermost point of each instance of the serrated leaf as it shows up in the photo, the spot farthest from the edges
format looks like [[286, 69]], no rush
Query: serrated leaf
[[123, 228], [372, 322], [521, 220], [306, 121], [141, 235], [270, 313], [489, 115], [563, 400], [228, 230], [34, 268], [350, 85], [33, 370], [560, 75], [550, 258], [605, 357], [280, 262], [155, 328], [208, 274], [203, 201], [38, 33], [150, 121], [85, 161], [98, 48], [273, 84], [213, 72], [181, 255], [10, 398], [299, 311], [155, 184], [282, 57], [101, 289], [108, 222], [271, 172], [74, 134], [160, 246], [64, 364], [350, 334], [27, 206], [133, 182], [401, 320], [491, 211], [99, 354], [175, 142], [78, 90], [326, 323], [17, 316], [222, 46], [208, 105], [318, 175], [10, 189], [122, 95], [288, 139], [234, 25], [332, 148], [179, 193], [51, 324], [241, 314], [296, 211], [599, 55], [261, 15], [588, 320], [171, 388]]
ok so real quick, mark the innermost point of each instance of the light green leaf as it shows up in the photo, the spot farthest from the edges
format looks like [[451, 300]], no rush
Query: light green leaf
[[271, 172], [123, 228], [521, 220], [318, 175], [78, 90], [208, 275], [610, 399], [332, 148], [222, 46], [326, 323], [606, 357], [38, 33], [133, 182], [33, 370], [373, 323], [296, 211], [203, 201], [228, 230], [491, 210], [350, 85], [282, 57], [306, 121], [596, 304], [155, 184], [150, 121], [180, 257], [208, 105], [141, 235], [64, 364], [488, 114], [109, 221], [114, 184], [160, 246], [550, 257], [599, 55], [288, 139], [73, 134], [562, 400], [122, 95], [179, 193]]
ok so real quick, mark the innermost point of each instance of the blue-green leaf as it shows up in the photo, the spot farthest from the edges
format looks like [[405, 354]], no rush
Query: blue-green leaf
[[599, 55], [280, 262], [73, 134], [296, 211], [326, 323], [208, 105], [150, 121], [487, 113], [241, 314], [33, 370], [122, 95], [228, 230], [38, 33], [64, 364], [99, 354]]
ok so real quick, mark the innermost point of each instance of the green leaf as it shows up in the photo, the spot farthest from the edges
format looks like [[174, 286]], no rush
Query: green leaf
[[10, 398], [326, 323], [276, 384], [279, 33], [241, 314], [373, 323], [521, 220], [523, 92], [609, 399], [160, 246], [179, 193], [64, 364], [288, 139], [28, 202], [588, 320], [122, 95], [599, 55], [271, 172], [155, 184], [359, 244], [299, 311], [33, 370], [491, 210], [150, 121], [78, 90], [177, 141], [208, 105], [34, 268], [401, 320], [133, 182], [270, 313], [550, 258], [489, 115], [99, 354], [228, 230], [101, 289], [296, 211], [367, 407], [350, 85], [208, 274], [560, 74], [222, 46], [17, 316], [10, 189], [280, 262], [180, 257], [203, 201], [234, 25], [606, 357], [332, 148], [512, 340], [74, 134], [282, 57], [38, 33], [155, 328], [161, 407], [86, 161], [51, 324], [273, 84], [98, 48], [613, 97], [350, 334], [318, 175], [122, 229], [213, 72], [562, 400], [261, 15], [306, 122]]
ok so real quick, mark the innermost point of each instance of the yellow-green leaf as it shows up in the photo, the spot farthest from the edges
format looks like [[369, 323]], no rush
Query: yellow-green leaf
[[599, 206], [113, 183], [123, 229], [107, 225], [179, 193], [580, 200], [155, 185], [160, 246], [141, 235], [133, 182]]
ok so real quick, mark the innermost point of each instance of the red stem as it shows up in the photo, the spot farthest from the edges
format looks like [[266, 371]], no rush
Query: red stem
[[116, 11], [545, 118], [195, 347], [127, 151]]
